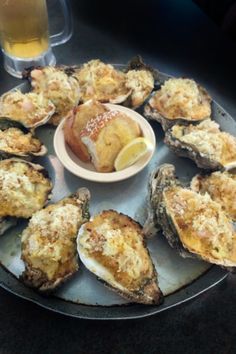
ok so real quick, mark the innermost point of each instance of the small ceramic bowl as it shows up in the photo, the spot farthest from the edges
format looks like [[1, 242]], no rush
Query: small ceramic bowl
[[86, 170]]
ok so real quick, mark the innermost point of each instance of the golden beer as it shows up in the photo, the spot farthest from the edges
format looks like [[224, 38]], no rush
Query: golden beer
[[24, 27]]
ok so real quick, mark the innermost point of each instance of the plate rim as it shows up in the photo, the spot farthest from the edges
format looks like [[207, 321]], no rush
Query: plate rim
[[213, 276], [207, 280]]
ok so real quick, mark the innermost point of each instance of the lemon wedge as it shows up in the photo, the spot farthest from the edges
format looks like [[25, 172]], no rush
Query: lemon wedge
[[132, 152]]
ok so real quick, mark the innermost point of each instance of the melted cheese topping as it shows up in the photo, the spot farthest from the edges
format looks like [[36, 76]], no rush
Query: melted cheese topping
[[182, 98], [14, 141], [101, 82], [117, 246], [221, 186], [27, 108], [57, 86], [207, 138], [141, 82], [49, 241], [23, 189], [202, 226]]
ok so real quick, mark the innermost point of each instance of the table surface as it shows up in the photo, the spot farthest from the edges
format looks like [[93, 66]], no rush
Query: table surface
[[177, 38]]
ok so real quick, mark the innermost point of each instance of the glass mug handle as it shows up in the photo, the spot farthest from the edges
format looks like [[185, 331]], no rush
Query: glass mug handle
[[65, 35]]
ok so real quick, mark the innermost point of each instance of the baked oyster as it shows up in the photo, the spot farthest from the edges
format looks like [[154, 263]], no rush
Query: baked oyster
[[18, 141], [140, 78], [221, 186], [48, 244], [104, 83], [178, 101], [24, 188], [30, 109], [59, 85], [111, 245], [204, 143], [193, 223]]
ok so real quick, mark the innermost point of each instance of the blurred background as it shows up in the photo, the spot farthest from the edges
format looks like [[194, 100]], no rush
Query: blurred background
[[222, 12]]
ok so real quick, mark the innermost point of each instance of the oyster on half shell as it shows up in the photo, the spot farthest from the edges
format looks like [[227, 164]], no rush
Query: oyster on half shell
[[178, 101], [18, 141], [193, 223], [140, 78], [221, 186], [48, 244], [24, 188], [111, 245], [104, 83], [30, 109], [59, 85], [205, 144]]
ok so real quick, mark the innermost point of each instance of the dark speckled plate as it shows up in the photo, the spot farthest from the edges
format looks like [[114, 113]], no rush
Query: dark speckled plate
[[83, 296]]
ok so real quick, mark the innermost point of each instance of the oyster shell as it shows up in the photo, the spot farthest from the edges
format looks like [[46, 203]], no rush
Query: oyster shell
[[204, 143], [221, 186], [49, 242], [30, 109], [59, 85], [111, 246], [179, 101], [6, 223], [162, 177], [194, 223], [18, 141], [24, 188]]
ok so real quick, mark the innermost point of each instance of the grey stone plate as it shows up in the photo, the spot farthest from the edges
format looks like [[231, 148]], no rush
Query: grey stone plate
[[84, 296]]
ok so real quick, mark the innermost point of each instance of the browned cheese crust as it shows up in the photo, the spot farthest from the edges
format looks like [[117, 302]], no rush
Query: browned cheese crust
[[115, 242], [49, 242], [204, 143], [201, 225], [58, 86], [24, 188], [31, 109], [221, 186]]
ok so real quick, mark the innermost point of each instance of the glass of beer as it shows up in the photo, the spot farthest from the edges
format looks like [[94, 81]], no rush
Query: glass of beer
[[24, 34]]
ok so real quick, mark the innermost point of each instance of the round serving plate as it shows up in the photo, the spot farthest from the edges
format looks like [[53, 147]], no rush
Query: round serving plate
[[83, 296], [87, 170]]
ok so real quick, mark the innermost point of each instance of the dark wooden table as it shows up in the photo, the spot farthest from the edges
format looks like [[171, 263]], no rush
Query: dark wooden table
[[177, 38]]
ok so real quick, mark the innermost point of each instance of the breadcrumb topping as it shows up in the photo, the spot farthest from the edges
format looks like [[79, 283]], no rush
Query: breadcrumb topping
[[208, 140], [221, 186], [141, 82], [201, 224], [13, 140], [118, 246], [23, 189], [56, 85], [48, 243], [182, 98], [28, 108], [102, 82]]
